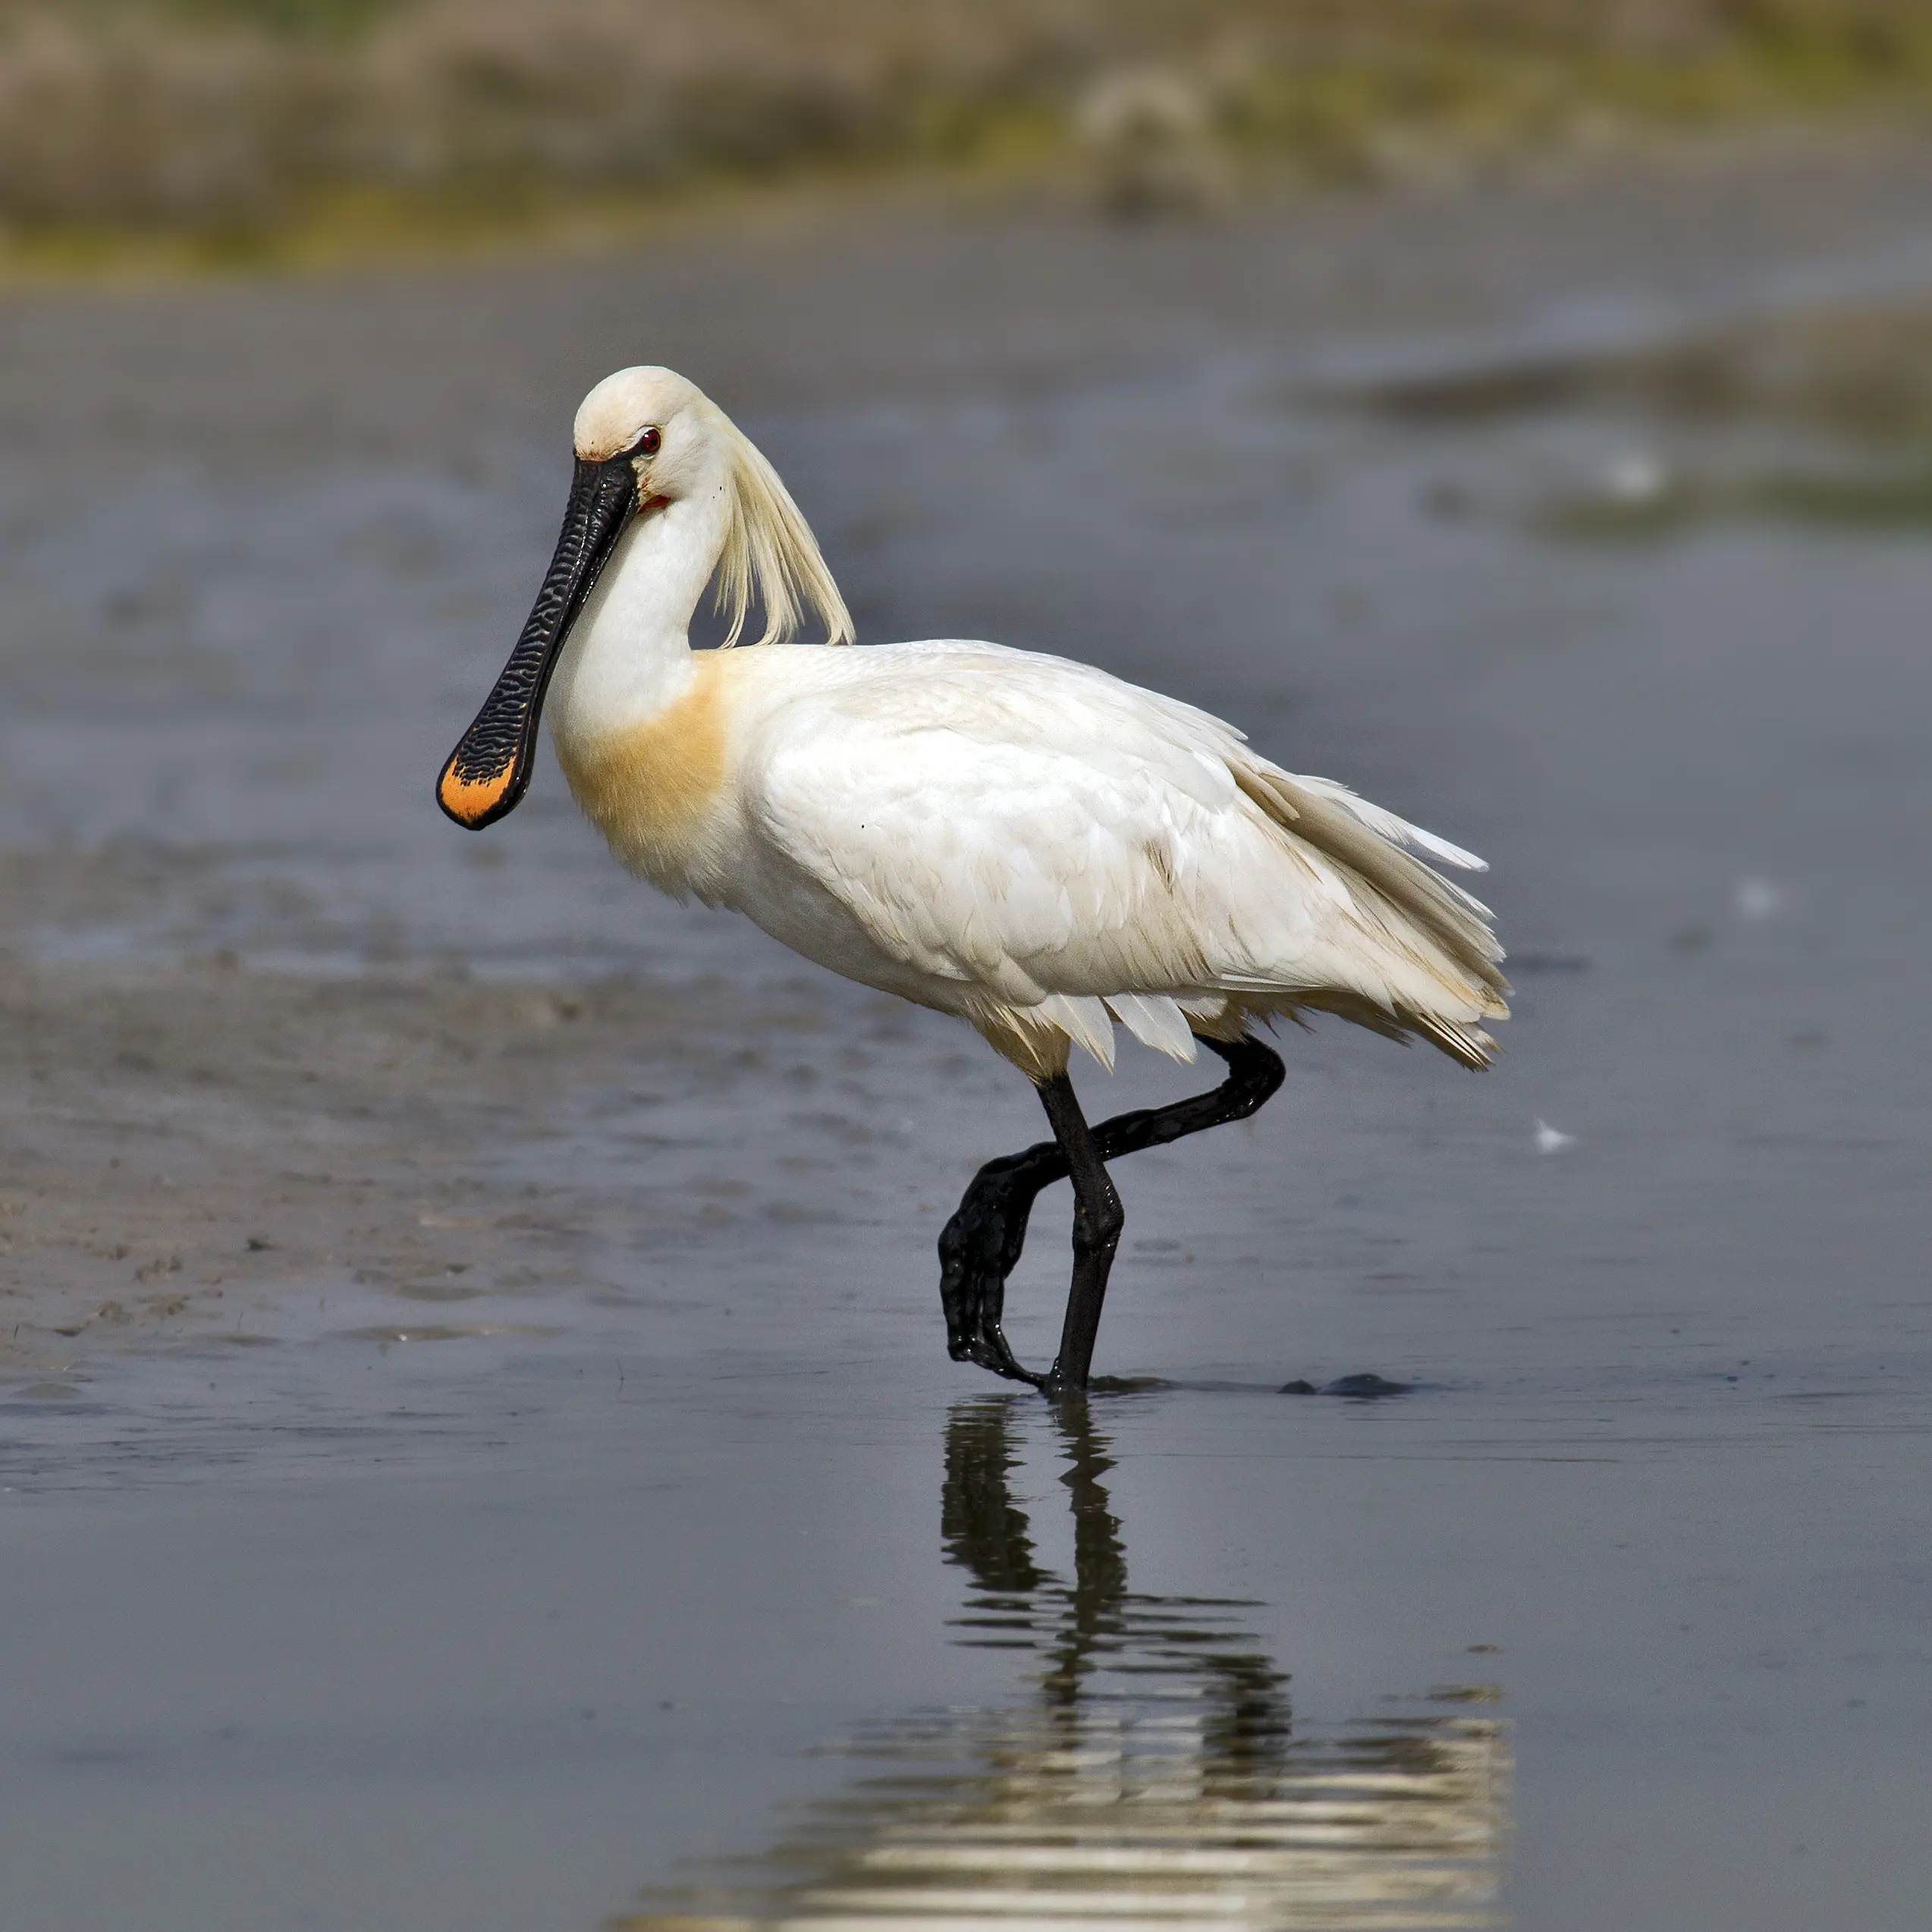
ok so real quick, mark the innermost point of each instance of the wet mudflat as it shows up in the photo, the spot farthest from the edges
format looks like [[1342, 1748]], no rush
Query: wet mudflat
[[476, 1443]]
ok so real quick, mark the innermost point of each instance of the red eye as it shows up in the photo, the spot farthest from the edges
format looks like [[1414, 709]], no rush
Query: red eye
[[650, 442]]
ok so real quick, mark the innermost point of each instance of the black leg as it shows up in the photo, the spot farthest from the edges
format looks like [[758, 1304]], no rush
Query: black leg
[[982, 1243], [1097, 1220]]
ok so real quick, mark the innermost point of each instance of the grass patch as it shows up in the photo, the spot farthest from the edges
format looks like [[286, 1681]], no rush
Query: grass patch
[[1880, 502], [242, 126]]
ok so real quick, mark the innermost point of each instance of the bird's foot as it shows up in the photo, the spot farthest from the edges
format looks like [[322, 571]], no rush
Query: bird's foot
[[972, 1290], [987, 1346], [1055, 1384]]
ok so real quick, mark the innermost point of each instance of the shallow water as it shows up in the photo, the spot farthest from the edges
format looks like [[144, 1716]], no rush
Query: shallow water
[[572, 1519]]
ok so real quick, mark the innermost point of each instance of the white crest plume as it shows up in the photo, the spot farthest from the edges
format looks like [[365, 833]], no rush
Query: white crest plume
[[770, 554]]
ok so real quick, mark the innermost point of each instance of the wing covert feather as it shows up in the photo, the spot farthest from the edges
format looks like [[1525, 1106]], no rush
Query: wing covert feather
[[1028, 822], [1044, 830]]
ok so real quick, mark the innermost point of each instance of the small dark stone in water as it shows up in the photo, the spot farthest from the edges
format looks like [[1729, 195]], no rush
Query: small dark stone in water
[[1298, 1388], [1365, 1388], [1117, 1385]]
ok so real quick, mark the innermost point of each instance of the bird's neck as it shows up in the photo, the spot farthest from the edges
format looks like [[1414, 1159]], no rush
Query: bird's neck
[[628, 658]]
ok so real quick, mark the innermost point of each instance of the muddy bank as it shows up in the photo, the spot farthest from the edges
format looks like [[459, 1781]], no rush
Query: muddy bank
[[193, 1146]]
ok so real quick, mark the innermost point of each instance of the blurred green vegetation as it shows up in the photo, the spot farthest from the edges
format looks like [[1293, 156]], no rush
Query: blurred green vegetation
[[1879, 502], [241, 127], [333, 19], [1818, 416]]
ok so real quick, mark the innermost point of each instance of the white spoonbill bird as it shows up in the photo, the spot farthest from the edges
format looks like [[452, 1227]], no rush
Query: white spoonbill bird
[[1021, 841]]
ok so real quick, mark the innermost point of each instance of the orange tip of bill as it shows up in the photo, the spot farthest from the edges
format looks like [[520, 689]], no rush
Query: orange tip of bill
[[470, 798]]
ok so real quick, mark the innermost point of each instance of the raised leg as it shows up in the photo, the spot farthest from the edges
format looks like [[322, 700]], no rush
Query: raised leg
[[982, 1243]]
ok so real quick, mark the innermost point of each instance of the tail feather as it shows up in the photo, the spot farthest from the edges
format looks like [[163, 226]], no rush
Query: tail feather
[[1443, 930]]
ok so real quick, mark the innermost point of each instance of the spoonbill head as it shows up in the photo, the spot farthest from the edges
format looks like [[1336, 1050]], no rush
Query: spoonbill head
[[644, 439], [1020, 841]]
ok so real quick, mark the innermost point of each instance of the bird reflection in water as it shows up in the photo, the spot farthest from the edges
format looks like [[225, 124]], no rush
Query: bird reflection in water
[[1156, 1780]]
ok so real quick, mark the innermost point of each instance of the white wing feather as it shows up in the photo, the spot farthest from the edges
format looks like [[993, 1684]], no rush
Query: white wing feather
[[1397, 832], [1038, 829]]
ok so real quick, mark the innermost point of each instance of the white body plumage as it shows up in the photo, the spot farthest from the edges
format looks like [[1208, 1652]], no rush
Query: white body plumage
[[1027, 842]]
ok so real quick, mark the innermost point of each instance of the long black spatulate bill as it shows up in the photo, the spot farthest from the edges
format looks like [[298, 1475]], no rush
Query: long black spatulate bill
[[487, 775]]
